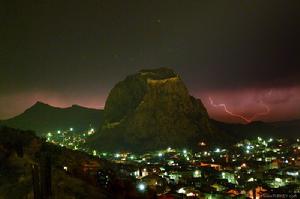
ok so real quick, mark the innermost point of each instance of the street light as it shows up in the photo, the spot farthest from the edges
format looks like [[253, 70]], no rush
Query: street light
[[141, 186]]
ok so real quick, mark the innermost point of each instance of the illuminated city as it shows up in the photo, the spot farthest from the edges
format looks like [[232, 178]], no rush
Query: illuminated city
[[260, 167]]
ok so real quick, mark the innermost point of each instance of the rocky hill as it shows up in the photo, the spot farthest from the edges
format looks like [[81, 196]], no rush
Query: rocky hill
[[150, 110], [43, 118]]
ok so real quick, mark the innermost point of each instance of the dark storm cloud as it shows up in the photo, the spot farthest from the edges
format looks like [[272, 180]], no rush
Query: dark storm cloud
[[84, 47]]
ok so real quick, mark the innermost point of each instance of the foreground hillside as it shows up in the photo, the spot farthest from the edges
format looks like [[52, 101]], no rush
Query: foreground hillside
[[31, 168]]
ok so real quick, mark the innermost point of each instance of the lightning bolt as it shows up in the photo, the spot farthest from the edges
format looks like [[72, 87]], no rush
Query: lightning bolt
[[265, 112], [227, 111], [244, 118]]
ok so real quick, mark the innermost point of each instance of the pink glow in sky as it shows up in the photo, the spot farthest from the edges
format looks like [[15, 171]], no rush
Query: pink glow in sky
[[242, 106], [15, 104], [246, 119]]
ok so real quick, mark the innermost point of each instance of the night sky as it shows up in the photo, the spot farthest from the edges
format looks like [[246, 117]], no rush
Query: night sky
[[244, 55]]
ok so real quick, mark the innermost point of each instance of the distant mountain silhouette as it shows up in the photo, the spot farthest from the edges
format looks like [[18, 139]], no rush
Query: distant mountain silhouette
[[281, 129], [43, 118]]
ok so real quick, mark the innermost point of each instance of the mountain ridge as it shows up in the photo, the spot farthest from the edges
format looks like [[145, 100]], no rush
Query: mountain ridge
[[150, 102], [42, 118], [248, 130]]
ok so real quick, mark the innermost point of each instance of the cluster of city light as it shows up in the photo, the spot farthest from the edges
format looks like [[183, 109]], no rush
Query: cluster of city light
[[69, 138], [266, 151]]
